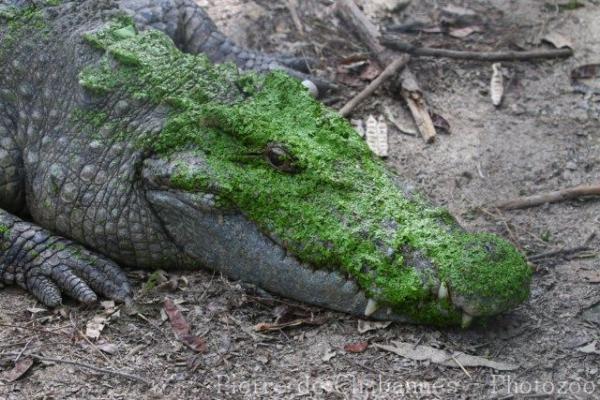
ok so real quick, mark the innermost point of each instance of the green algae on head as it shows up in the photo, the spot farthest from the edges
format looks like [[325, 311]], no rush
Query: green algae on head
[[337, 208]]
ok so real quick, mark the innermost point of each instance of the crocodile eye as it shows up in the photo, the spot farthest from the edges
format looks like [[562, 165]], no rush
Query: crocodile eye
[[280, 158]]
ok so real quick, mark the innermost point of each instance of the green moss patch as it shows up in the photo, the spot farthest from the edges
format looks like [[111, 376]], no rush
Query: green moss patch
[[340, 209]]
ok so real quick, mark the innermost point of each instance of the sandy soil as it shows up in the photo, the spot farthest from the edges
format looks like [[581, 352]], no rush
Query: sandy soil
[[544, 137]]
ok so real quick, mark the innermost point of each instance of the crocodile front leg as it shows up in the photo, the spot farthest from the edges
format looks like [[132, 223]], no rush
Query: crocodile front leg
[[193, 31], [45, 265]]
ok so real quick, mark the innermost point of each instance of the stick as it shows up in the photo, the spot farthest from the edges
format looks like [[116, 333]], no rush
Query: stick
[[493, 56], [293, 7], [82, 365], [390, 71], [365, 29], [412, 94], [551, 197], [256, 336], [22, 351], [561, 253], [370, 35]]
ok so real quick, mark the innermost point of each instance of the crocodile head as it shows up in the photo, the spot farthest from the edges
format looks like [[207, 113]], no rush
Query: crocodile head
[[252, 176]]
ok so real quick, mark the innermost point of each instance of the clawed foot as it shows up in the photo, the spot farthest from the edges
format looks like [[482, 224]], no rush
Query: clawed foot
[[77, 273], [48, 266]]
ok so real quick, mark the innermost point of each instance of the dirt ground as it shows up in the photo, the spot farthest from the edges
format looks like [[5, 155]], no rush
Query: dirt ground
[[544, 137]]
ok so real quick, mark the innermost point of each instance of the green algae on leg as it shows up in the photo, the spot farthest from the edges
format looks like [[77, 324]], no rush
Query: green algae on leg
[[340, 209]]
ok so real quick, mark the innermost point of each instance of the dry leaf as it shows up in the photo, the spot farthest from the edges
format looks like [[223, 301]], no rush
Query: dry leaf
[[357, 347], [108, 304], [440, 123], [401, 120], [270, 327], [497, 84], [590, 276], [557, 40], [433, 29], [592, 314], [35, 310], [366, 326], [328, 355], [458, 11], [371, 72], [108, 348], [591, 348], [464, 32], [21, 367], [437, 356], [178, 323], [588, 71], [377, 135], [182, 328], [94, 327], [195, 343], [452, 15]]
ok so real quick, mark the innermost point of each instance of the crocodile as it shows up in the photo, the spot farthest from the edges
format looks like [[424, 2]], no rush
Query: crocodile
[[134, 134]]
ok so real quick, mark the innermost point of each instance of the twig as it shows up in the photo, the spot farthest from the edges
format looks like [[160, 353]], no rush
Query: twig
[[292, 5], [493, 56], [370, 35], [365, 29], [246, 330], [390, 71], [2, 346], [152, 324], [461, 366], [351, 361], [412, 94], [96, 349], [23, 350], [551, 197], [560, 252], [83, 365]]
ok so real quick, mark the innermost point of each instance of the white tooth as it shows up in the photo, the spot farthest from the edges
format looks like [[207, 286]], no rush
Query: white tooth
[[371, 307], [312, 88], [443, 291], [466, 320]]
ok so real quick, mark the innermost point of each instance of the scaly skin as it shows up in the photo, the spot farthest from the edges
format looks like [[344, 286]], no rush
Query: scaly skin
[[120, 148]]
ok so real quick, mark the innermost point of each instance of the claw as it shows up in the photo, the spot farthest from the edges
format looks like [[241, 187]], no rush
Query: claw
[[371, 307]]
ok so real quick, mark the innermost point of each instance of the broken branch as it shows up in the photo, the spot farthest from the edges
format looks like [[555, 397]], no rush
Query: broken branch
[[493, 56], [365, 29], [293, 7], [390, 71], [412, 94], [551, 197], [369, 34], [558, 253]]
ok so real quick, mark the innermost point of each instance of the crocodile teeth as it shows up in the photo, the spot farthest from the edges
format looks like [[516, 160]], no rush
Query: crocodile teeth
[[371, 307], [443, 291], [466, 320]]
